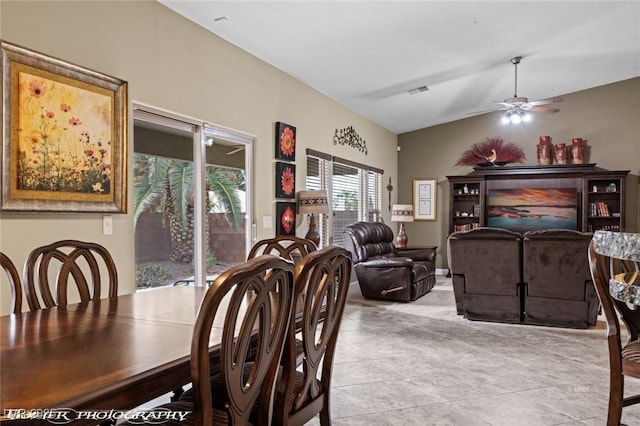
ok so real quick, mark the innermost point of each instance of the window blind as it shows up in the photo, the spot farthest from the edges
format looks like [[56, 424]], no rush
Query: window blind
[[354, 191]]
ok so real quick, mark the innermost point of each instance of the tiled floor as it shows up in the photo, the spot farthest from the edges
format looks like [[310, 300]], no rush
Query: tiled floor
[[421, 364]]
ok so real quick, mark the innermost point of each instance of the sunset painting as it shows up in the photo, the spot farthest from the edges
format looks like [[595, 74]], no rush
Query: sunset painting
[[528, 209]]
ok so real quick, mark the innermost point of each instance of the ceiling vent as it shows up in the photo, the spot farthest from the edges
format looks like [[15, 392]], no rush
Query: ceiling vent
[[418, 90]]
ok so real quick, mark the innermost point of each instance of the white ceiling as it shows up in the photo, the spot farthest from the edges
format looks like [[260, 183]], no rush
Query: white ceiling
[[366, 55]]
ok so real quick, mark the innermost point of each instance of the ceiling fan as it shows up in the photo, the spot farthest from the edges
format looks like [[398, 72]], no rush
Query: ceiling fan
[[518, 107]]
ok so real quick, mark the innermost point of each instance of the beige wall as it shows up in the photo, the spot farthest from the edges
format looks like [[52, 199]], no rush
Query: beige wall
[[173, 64], [607, 117]]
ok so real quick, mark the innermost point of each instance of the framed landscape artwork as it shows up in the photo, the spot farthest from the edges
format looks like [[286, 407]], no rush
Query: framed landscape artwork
[[64, 136], [285, 218], [285, 180], [425, 199], [285, 142], [531, 209]]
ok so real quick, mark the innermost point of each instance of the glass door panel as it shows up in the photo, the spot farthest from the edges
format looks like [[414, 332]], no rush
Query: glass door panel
[[163, 203], [225, 180]]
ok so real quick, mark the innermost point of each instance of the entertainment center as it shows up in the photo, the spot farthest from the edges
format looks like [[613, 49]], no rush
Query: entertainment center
[[581, 197]]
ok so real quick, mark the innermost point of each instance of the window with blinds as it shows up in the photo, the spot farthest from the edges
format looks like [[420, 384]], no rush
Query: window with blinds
[[354, 190]]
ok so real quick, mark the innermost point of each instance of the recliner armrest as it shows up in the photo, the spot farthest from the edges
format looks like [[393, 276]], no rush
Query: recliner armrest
[[388, 262], [426, 254]]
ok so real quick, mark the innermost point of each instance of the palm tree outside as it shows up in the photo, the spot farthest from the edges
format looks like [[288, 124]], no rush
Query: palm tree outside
[[165, 186]]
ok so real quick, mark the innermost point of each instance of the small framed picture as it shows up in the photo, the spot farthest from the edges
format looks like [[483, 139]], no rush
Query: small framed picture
[[425, 199], [285, 180], [285, 142], [285, 218]]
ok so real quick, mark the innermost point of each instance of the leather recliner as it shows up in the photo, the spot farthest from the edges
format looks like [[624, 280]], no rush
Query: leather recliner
[[384, 271], [558, 289], [485, 266]]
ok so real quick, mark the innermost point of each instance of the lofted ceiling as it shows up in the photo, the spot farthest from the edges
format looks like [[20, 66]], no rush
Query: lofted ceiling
[[368, 55]]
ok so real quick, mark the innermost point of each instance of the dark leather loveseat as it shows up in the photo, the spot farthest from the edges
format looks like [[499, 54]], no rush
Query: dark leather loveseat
[[539, 277], [385, 272]]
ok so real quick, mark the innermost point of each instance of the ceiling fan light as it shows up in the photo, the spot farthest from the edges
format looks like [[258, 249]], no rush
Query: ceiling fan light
[[526, 117], [516, 118], [505, 118]]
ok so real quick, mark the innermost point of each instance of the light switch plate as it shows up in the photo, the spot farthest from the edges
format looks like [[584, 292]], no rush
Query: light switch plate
[[107, 225], [267, 222]]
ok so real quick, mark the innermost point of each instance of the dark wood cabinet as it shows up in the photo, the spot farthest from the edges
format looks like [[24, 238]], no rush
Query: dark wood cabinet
[[598, 194]]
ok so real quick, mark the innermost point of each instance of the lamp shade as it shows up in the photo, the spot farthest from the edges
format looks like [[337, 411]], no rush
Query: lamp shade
[[402, 213], [313, 202]]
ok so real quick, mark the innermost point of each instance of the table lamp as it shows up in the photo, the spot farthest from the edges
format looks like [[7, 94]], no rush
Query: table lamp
[[313, 202], [402, 213]]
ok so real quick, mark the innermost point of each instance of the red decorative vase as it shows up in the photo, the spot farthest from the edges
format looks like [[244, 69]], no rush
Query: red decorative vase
[[577, 151], [560, 153], [544, 150]]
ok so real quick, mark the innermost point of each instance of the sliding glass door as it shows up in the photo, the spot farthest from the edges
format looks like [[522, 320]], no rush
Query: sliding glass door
[[191, 198]]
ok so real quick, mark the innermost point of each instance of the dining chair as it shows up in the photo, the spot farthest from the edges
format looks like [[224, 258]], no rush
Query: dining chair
[[255, 299], [50, 270], [302, 393], [14, 283], [285, 246], [288, 247], [614, 255]]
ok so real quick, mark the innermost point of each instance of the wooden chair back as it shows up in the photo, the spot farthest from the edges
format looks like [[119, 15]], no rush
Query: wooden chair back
[[285, 246], [51, 269], [258, 296], [14, 283], [323, 277], [607, 258]]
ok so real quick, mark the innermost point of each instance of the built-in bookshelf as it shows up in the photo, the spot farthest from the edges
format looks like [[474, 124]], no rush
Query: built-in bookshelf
[[466, 203], [599, 194], [604, 201]]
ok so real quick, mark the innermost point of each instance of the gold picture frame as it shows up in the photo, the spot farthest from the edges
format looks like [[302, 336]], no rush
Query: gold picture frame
[[425, 199], [64, 136]]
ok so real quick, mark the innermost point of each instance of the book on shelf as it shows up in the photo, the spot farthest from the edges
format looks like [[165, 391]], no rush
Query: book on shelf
[[466, 227], [599, 209]]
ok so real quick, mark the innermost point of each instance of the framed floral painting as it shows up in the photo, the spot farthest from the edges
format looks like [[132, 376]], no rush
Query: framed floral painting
[[285, 142], [64, 136], [286, 218], [285, 180]]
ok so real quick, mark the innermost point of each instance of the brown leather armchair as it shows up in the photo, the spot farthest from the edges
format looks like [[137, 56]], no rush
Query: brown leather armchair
[[558, 286], [385, 272], [485, 269]]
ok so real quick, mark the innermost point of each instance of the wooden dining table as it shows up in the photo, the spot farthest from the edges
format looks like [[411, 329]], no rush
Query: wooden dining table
[[114, 353]]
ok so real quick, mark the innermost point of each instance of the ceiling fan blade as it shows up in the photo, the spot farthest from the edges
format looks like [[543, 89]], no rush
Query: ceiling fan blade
[[489, 110], [545, 101], [543, 109]]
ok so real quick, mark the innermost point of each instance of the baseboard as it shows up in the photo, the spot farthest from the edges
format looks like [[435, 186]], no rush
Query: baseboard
[[442, 271]]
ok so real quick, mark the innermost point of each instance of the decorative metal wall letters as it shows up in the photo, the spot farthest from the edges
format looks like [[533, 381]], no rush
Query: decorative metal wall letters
[[348, 136]]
